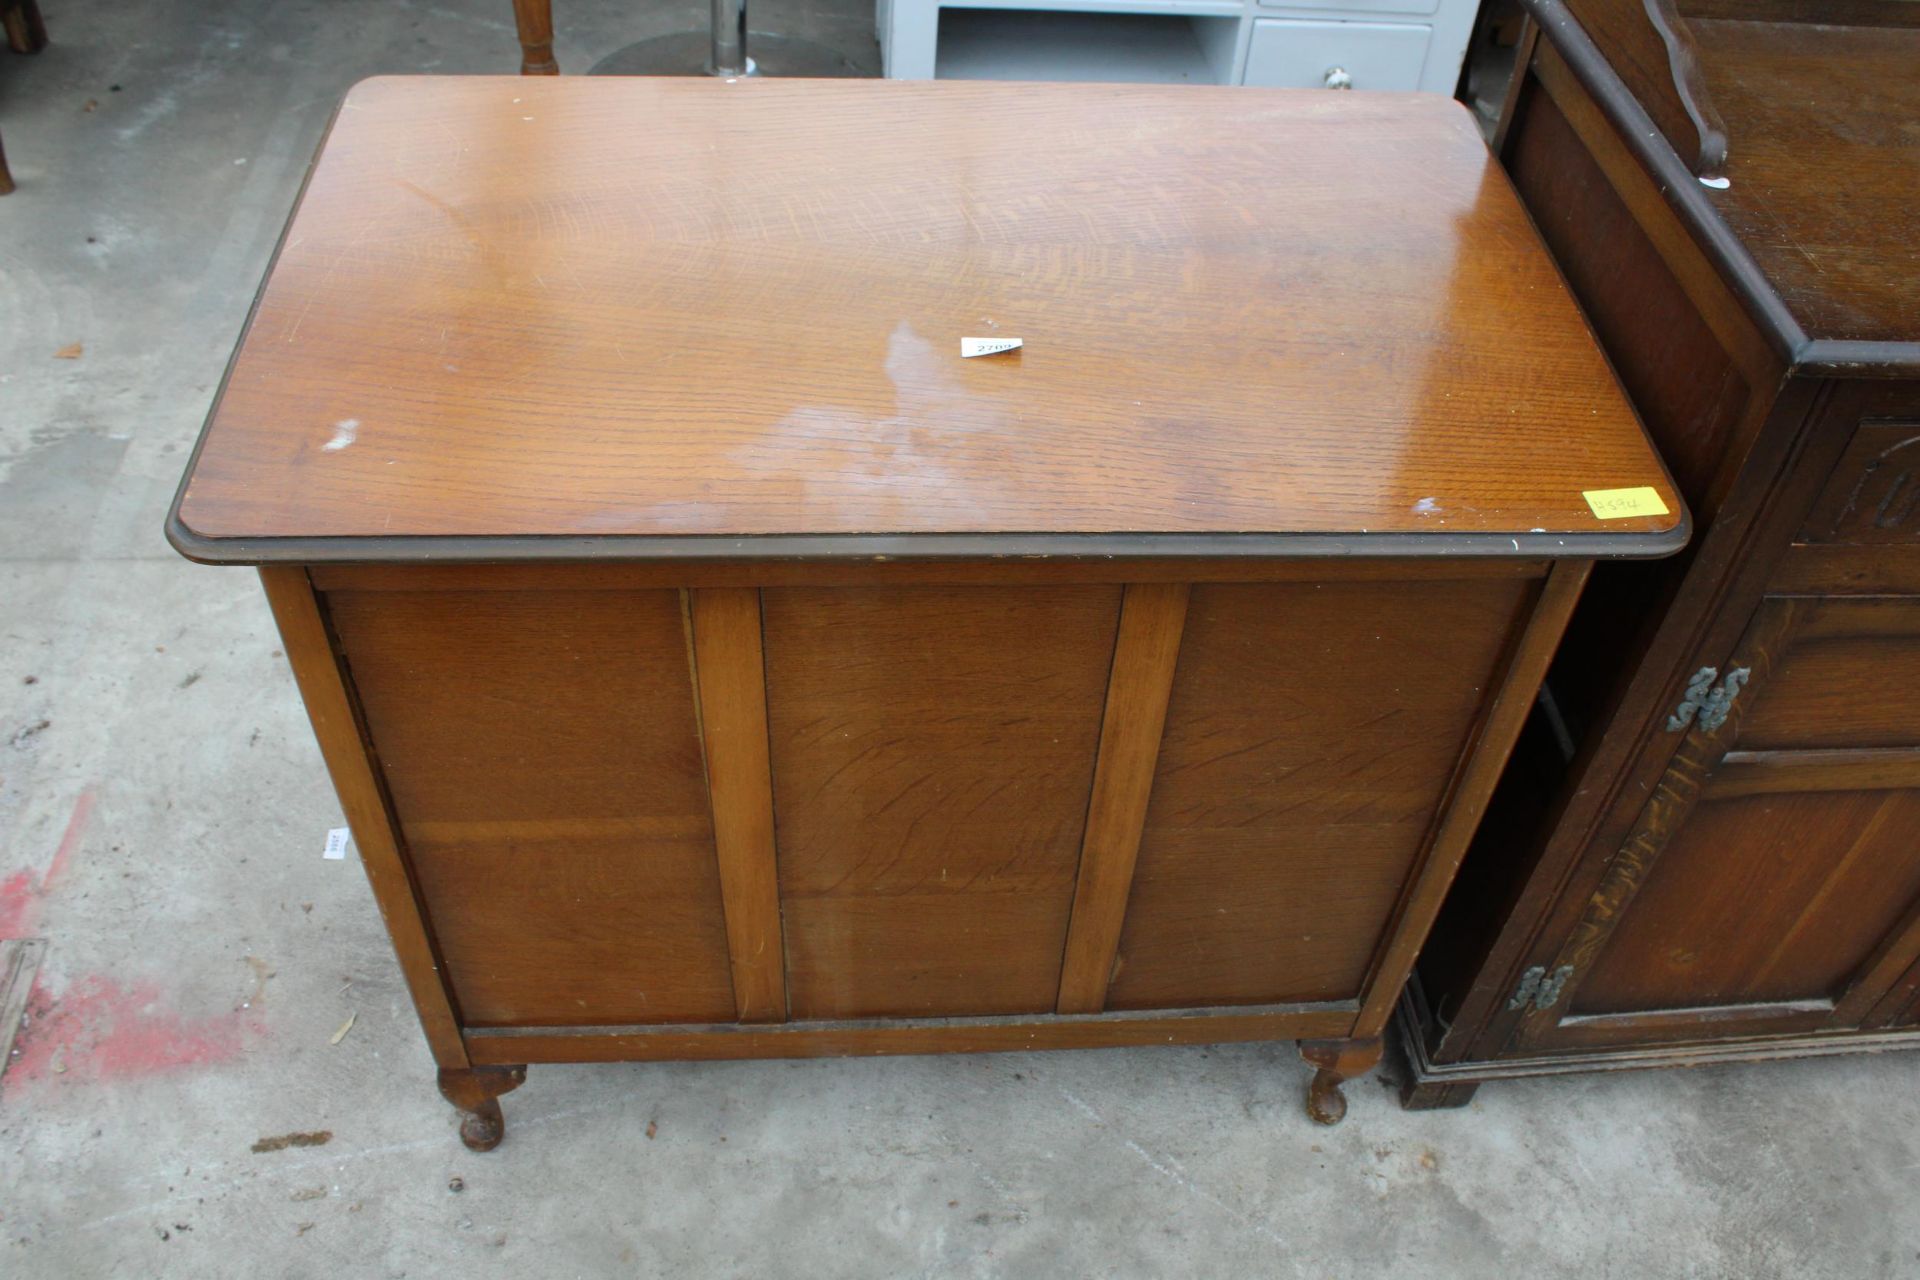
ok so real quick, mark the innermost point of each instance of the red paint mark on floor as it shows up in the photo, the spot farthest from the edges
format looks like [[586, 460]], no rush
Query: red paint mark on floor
[[98, 1030], [22, 892], [69, 841], [19, 904]]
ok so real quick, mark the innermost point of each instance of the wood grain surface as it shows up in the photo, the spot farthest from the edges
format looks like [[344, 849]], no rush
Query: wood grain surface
[[1851, 678], [888, 1036], [1823, 164], [512, 308], [1820, 879], [1803, 831], [332, 708], [1649, 44], [1145, 654], [544, 762], [933, 753], [1310, 736], [730, 673]]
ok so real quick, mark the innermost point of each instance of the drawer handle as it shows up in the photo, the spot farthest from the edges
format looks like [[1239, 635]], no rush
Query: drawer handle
[[1338, 78]]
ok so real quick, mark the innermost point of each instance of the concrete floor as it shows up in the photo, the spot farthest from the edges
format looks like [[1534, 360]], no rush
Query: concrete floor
[[162, 811]]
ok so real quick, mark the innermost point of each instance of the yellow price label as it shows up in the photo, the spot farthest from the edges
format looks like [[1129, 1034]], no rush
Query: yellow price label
[[1618, 504]]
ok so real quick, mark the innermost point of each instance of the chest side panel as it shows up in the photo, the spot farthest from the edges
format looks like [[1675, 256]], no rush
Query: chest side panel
[[542, 755]]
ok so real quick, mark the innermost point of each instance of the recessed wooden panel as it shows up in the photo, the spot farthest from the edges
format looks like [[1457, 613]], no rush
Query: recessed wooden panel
[[1685, 383], [1795, 892], [1311, 733], [542, 756], [1848, 677], [933, 753], [1799, 860]]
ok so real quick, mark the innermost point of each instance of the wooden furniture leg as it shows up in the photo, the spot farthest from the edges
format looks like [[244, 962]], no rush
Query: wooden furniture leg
[[534, 18], [26, 33], [475, 1093], [1338, 1061], [1430, 1095]]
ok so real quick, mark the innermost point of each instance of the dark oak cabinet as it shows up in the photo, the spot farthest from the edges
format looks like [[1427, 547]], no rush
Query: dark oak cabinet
[[1768, 885], [1707, 844]]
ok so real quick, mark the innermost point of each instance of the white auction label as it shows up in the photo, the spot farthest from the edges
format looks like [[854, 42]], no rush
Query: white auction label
[[986, 346], [336, 845]]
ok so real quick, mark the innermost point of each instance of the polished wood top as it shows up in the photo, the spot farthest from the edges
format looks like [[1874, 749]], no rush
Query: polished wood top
[[525, 317], [1825, 161]]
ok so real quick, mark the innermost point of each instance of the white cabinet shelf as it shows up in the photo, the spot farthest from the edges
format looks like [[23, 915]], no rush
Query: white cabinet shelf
[[1371, 44], [1141, 48]]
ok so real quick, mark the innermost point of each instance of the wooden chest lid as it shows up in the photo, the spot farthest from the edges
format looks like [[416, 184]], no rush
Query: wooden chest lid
[[641, 317], [1824, 162]]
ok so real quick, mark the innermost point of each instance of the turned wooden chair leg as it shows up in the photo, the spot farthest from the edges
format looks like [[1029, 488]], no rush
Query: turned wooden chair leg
[[475, 1092], [534, 18], [1337, 1061], [26, 32]]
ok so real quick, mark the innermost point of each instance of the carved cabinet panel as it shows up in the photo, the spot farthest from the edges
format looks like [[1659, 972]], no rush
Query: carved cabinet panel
[[1874, 497], [1773, 879]]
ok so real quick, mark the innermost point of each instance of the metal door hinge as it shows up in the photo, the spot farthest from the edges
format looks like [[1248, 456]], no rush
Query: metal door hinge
[[1538, 988], [1705, 703]]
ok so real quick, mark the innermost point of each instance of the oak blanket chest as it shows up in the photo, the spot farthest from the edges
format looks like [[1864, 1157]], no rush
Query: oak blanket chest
[[714, 661]]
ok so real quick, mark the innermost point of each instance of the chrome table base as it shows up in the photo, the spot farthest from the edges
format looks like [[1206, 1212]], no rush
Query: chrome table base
[[690, 53]]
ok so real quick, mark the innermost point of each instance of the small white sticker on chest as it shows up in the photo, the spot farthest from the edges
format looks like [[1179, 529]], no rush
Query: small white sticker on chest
[[970, 347]]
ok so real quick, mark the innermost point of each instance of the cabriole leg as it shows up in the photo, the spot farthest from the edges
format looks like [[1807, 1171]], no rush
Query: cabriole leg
[[476, 1091], [1337, 1061]]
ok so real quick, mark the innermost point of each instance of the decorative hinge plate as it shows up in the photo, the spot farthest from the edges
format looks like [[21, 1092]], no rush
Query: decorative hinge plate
[[1705, 703], [1539, 988]]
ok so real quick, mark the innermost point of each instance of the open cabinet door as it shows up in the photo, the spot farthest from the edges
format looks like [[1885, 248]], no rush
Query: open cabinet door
[[1786, 831]]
